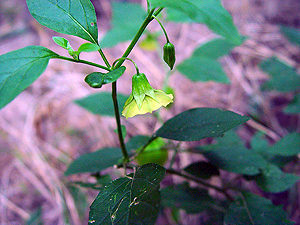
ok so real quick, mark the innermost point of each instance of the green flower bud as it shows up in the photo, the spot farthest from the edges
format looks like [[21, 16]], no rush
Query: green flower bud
[[169, 54]]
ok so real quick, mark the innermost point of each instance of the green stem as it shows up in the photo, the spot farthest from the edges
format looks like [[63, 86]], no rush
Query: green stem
[[162, 27], [82, 61], [103, 57], [148, 19], [118, 120], [117, 60], [171, 171]]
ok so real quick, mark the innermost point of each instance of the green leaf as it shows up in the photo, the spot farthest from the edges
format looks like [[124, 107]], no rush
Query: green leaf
[[209, 12], [204, 170], [73, 17], [235, 158], [214, 49], [136, 142], [134, 199], [100, 103], [272, 179], [95, 161], [126, 21], [203, 69], [283, 77], [198, 123], [62, 42], [192, 200], [103, 158], [287, 146], [294, 106], [97, 79], [260, 210], [292, 34], [20, 68], [35, 218], [88, 47], [281, 152]]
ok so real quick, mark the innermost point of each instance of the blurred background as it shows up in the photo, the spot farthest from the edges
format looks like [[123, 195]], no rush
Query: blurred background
[[42, 130]]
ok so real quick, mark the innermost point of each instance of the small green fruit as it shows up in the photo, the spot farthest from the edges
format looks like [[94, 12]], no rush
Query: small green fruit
[[153, 153]]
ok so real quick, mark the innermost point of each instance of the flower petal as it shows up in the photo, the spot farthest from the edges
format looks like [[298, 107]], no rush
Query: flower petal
[[163, 98]]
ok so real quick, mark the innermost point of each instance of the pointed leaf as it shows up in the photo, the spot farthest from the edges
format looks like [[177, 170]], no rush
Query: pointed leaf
[[292, 34], [198, 123], [214, 49], [103, 158], [209, 12], [283, 77], [73, 17], [198, 68], [88, 47], [260, 210], [95, 161], [294, 106], [100, 103], [192, 200], [20, 68], [236, 159], [97, 79], [204, 170], [273, 179], [62, 42], [134, 199], [287, 146], [126, 21]]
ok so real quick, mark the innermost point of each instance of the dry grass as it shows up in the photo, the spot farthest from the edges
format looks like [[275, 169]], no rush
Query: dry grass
[[42, 130]]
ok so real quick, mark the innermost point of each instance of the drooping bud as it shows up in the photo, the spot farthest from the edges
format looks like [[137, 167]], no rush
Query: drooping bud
[[169, 54]]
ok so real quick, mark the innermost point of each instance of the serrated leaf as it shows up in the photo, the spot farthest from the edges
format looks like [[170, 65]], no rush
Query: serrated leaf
[[192, 200], [292, 34], [134, 199], [20, 68], [198, 123], [255, 210], [97, 79], [294, 106], [210, 12], [73, 17], [126, 21], [101, 103], [202, 169], [274, 180], [198, 68], [283, 77]]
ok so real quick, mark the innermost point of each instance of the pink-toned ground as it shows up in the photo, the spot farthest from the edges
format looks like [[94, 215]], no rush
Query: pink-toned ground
[[42, 130]]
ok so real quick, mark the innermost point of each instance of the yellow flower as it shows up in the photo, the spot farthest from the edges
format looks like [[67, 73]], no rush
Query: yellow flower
[[143, 98]]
